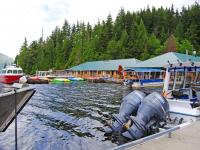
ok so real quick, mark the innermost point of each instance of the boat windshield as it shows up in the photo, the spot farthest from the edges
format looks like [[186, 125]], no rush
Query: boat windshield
[[182, 80]]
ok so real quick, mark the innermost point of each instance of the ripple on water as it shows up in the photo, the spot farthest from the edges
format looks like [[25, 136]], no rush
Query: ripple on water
[[66, 116]]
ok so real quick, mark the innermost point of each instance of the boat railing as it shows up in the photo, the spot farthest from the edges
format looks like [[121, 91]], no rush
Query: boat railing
[[151, 137]]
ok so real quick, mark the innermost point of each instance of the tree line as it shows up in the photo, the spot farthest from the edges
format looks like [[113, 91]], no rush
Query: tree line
[[142, 35]]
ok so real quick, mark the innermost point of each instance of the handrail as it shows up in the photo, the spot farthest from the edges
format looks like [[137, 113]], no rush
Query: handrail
[[151, 137]]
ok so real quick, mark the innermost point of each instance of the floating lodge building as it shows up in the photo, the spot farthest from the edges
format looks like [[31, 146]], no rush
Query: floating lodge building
[[154, 67], [101, 69], [151, 68], [109, 68]]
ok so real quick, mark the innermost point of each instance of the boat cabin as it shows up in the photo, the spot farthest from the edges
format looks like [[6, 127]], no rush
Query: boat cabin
[[182, 89], [182, 78], [144, 76], [11, 74], [11, 70]]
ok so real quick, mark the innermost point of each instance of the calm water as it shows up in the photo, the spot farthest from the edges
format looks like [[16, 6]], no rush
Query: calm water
[[69, 116]]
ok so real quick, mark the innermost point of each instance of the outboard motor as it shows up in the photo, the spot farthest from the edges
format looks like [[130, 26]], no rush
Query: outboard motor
[[129, 106], [153, 108]]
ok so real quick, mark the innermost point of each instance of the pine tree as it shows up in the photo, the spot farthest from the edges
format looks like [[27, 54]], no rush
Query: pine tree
[[141, 38], [142, 34]]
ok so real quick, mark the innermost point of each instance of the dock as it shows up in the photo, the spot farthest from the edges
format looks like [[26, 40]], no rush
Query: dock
[[185, 138]]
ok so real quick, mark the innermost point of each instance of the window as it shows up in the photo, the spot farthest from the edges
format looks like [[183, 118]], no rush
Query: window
[[9, 71], [179, 80], [20, 71], [14, 71], [190, 78], [181, 77]]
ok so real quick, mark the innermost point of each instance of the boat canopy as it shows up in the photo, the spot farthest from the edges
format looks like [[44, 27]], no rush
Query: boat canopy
[[182, 69], [144, 69]]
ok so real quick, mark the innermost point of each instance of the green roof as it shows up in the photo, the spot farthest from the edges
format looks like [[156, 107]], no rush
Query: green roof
[[105, 65], [162, 60]]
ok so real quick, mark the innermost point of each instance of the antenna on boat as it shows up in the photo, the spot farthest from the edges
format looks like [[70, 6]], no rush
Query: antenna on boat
[[179, 62], [169, 63]]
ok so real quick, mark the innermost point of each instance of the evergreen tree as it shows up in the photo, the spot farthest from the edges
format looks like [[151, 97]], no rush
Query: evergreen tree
[[142, 35], [141, 39], [153, 44], [179, 31], [184, 46]]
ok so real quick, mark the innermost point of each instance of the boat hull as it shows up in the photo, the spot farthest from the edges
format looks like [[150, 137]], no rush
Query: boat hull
[[149, 84], [7, 105], [9, 79]]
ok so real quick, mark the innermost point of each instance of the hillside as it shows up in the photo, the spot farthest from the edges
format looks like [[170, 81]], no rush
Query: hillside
[[5, 60], [142, 34]]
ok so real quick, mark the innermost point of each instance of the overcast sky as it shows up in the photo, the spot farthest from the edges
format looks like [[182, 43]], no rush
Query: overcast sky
[[26, 18]]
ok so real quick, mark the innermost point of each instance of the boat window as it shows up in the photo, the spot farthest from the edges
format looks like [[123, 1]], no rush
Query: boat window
[[171, 81], [14, 71], [20, 71], [9, 71], [190, 77], [3, 71], [179, 80]]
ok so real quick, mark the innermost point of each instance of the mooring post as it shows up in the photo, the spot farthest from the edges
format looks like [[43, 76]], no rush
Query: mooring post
[[15, 119]]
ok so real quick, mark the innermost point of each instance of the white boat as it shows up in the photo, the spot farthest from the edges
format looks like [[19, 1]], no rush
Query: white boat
[[182, 90], [11, 74], [144, 77], [17, 94]]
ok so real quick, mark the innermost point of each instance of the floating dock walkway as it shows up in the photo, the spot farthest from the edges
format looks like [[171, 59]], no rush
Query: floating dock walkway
[[181, 138]]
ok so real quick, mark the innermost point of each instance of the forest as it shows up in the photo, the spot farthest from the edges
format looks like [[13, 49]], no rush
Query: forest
[[141, 35]]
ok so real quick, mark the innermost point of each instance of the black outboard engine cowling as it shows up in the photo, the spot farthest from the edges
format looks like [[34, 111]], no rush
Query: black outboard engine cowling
[[129, 106], [154, 107]]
